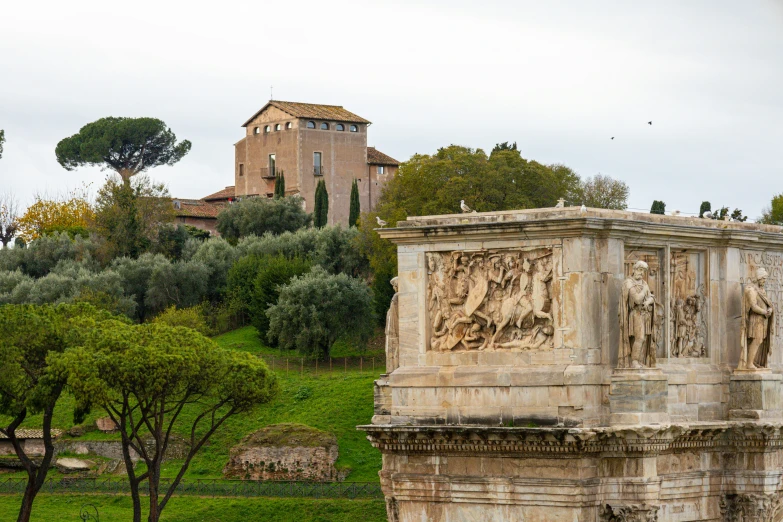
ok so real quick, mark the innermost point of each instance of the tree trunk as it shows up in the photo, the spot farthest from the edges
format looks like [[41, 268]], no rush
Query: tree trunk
[[26, 509], [154, 482]]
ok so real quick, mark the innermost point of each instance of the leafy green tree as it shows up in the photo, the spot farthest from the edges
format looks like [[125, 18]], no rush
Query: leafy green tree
[[127, 146], [171, 241], [135, 275], [321, 210], [271, 274], [42, 255], [128, 216], [355, 208], [658, 207], [706, 206], [257, 216], [504, 146], [316, 309], [773, 214], [332, 247], [734, 215], [603, 192], [218, 256], [192, 318], [280, 185], [144, 376], [28, 336]]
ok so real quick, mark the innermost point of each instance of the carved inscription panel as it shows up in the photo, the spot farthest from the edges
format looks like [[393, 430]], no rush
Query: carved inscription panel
[[490, 300], [750, 261], [687, 305]]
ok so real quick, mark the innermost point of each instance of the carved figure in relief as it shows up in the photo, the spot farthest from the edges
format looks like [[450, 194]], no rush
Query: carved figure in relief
[[393, 330], [637, 333], [486, 300], [758, 323]]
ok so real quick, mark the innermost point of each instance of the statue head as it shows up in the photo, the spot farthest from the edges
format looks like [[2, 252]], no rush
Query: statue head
[[761, 277], [639, 269], [526, 265], [395, 284], [431, 263]]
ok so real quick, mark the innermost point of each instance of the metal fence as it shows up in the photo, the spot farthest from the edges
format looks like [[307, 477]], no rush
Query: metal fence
[[310, 367], [206, 488]]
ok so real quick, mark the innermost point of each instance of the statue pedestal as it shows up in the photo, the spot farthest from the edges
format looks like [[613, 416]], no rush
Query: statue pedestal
[[383, 400], [638, 396], [755, 395]]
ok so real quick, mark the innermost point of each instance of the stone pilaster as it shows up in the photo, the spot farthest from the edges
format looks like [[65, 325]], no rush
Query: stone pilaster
[[755, 395], [638, 396]]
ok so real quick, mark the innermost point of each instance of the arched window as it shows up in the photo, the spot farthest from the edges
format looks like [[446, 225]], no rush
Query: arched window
[[289, 125], [278, 127], [310, 124], [267, 128], [324, 126], [340, 127], [256, 130], [354, 128]]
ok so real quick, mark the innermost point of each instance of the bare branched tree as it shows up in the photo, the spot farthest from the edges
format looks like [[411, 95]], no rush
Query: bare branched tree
[[604, 192], [9, 217]]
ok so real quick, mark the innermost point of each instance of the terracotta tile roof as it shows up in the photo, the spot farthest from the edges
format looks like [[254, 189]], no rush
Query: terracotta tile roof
[[376, 157], [311, 110], [222, 195], [197, 208], [32, 434]]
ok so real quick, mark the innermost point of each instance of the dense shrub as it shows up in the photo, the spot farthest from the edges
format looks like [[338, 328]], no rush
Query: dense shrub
[[43, 254], [334, 248], [257, 216], [316, 309], [192, 318]]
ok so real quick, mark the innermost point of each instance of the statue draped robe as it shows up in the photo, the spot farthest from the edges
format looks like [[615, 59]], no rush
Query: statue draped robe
[[629, 317], [756, 325]]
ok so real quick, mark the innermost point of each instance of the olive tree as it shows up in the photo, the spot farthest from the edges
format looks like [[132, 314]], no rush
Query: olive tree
[[29, 336], [155, 380], [316, 309], [257, 216]]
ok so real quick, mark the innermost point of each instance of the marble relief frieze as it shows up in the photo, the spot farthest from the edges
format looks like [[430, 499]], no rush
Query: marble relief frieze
[[490, 300]]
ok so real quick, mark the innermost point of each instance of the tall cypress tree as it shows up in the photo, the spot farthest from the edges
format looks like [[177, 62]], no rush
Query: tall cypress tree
[[706, 206], [280, 185], [355, 209], [321, 210]]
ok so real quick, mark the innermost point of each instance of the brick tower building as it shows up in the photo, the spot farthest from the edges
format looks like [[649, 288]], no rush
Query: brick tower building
[[306, 143]]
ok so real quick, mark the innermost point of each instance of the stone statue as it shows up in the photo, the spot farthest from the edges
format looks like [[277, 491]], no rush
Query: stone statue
[[393, 330], [758, 323], [637, 332]]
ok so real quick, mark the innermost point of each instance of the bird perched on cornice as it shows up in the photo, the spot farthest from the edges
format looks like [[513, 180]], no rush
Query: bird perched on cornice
[[381, 222], [707, 215], [583, 209], [675, 212], [560, 203], [464, 207]]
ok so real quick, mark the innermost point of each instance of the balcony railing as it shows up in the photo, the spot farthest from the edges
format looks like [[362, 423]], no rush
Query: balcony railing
[[318, 170], [268, 173]]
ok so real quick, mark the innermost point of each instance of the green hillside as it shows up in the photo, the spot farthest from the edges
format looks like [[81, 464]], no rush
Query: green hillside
[[64, 508]]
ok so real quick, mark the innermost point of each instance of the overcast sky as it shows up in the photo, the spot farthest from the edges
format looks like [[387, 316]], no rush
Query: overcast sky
[[559, 78]]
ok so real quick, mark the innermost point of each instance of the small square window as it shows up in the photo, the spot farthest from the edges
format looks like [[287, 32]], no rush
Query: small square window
[[241, 169], [277, 127], [324, 126], [310, 124], [340, 127], [289, 125], [267, 128], [354, 128], [381, 170], [256, 130]]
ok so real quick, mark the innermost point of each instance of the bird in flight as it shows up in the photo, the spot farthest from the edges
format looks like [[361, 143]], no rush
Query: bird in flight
[[381, 222], [649, 123], [464, 207], [612, 137]]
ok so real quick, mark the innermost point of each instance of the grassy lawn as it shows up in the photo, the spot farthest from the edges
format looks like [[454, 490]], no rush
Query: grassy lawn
[[335, 402], [56, 508]]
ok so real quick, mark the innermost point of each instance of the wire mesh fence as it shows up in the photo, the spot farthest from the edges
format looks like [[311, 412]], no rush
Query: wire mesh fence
[[206, 488], [310, 367]]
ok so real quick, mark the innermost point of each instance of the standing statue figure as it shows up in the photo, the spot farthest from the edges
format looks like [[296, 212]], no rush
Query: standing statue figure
[[393, 330], [637, 331], [758, 323]]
